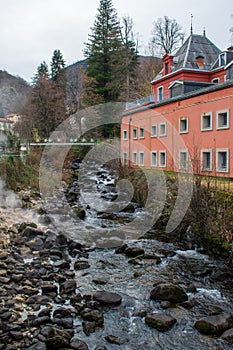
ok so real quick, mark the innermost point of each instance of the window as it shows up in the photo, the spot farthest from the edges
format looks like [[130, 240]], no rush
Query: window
[[160, 93], [222, 120], [135, 133], [125, 158], [141, 133], [206, 121], [141, 158], [154, 130], [222, 59], [206, 160], [135, 158], [166, 68], [183, 160], [125, 134], [162, 159], [162, 129], [183, 125], [153, 158], [222, 160], [216, 81]]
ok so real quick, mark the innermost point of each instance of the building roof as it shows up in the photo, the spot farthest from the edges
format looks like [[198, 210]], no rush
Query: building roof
[[196, 46]]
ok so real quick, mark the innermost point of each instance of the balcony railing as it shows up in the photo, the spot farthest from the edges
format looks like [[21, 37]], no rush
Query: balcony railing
[[140, 101]]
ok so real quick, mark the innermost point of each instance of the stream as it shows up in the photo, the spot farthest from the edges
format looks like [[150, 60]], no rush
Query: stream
[[97, 260]]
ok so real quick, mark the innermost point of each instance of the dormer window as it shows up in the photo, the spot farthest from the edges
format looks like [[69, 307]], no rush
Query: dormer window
[[222, 59], [200, 61]]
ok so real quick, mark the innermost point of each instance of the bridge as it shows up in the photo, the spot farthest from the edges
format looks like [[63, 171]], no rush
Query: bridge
[[33, 144]]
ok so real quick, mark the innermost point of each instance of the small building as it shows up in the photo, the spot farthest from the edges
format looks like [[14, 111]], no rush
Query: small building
[[187, 126]]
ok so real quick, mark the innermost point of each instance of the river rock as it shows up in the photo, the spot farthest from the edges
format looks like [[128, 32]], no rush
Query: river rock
[[228, 335], [161, 322], [49, 288], [134, 251], [57, 339], [169, 292], [107, 298], [37, 346], [68, 286], [214, 325], [93, 316], [78, 344], [81, 265]]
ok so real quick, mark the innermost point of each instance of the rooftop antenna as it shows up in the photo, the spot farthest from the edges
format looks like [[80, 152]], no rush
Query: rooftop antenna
[[191, 29], [204, 31]]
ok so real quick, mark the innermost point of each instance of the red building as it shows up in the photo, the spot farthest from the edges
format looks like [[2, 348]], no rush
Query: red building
[[185, 125]]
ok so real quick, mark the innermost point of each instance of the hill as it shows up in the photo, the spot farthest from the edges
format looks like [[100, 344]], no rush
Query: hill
[[14, 92]]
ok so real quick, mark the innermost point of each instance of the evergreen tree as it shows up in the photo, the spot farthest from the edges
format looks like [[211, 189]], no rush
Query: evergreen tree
[[42, 72], [104, 59], [57, 65]]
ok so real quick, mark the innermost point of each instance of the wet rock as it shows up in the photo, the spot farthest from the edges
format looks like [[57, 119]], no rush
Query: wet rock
[[81, 265], [222, 276], [161, 322], [134, 251], [169, 292], [37, 346], [31, 232], [214, 325], [78, 344], [112, 339], [100, 281], [35, 244], [63, 312], [121, 250], [100, 347], [129, 208], [88, 327], [68, 286], [49, 288], [228, 335], [81, 213], [95, 316], [57, 338], [107, 298], [62, 264]]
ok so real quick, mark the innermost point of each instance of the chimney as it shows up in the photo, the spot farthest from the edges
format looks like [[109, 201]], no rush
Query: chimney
[[230, 49], [200, 61]]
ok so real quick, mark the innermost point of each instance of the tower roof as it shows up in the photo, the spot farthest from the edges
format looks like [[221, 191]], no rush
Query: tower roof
[[196, 46]]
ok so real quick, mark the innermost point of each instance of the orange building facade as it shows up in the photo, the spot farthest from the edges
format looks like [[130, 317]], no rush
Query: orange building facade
[[187, 125]]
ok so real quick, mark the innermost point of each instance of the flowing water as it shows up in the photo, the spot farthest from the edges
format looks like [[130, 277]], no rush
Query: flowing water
[[134, 280]]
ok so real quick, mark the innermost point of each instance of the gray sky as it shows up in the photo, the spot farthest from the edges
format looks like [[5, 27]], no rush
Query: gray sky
[[30, 30]]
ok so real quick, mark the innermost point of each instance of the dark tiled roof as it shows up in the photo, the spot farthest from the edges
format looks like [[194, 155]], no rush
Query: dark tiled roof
[[194, 46]]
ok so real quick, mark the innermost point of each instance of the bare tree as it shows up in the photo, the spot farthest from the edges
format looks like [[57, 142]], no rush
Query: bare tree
[[167, 35]]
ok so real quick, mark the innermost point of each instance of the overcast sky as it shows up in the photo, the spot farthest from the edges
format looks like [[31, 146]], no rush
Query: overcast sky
[[30, 30]]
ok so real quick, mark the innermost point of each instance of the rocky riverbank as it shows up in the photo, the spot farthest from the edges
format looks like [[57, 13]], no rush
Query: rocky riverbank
[[58, 293]]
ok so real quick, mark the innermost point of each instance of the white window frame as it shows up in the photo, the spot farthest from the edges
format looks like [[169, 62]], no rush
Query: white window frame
[[181, 166], [165, 129], [187, 125], [141, 134], [125, 134], [141, 160], [152, 163], [207, 150], [215, 80], [156, 133], [217, 119], [134, 158], [220, 59], [125, 158], [135, 133], [160, 88], [221, 150], [165, 163], [208, 114]]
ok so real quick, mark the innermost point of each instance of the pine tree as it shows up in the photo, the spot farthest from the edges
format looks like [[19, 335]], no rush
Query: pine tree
[[102, 52], [57, 65], [42, 72]]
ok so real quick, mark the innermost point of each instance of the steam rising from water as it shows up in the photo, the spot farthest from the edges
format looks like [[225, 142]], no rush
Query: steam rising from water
[[8, 199]]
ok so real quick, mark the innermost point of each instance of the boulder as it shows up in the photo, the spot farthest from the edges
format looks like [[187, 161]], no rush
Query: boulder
[[169, 292], [68, 286], [37, 346], [214, 325], [161, 322], [78, 344], [228, 335], [81, 265], [107, 298], [134, 251], [57, 339]]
